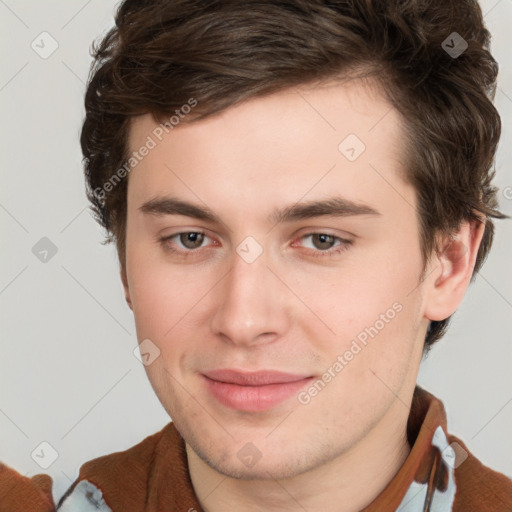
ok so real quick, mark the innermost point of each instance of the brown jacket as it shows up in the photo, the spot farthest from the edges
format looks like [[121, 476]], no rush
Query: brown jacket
[[439, 475]]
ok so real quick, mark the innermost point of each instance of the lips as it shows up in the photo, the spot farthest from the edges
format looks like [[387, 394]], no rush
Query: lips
[[253, 391], [259, 378]]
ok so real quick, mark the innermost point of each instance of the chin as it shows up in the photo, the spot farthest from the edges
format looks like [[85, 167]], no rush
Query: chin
[[248, 463], [260, 471]]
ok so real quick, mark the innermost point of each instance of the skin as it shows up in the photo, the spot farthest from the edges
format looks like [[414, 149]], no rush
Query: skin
[[288, 310]]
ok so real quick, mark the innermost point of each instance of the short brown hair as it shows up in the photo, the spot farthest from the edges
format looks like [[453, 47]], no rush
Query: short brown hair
[[161, 53]]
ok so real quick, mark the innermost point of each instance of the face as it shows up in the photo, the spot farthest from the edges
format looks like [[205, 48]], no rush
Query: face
[[282, 340]]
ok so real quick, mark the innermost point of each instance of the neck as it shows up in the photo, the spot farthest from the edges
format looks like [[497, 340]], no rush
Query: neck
[[347, 483]]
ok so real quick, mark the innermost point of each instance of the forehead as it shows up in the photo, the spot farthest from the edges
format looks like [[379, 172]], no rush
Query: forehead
[[341, 135], [331, 107]]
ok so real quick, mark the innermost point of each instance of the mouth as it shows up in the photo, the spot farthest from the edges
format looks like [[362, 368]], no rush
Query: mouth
[[253, 391]]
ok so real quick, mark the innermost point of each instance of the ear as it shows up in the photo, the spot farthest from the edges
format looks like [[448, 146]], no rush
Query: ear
[[124, 279], [451, 270]]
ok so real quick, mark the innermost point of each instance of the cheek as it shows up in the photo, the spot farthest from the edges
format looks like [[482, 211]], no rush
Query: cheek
[[375, 319], [152, 293], [166, 301], [356, 294]]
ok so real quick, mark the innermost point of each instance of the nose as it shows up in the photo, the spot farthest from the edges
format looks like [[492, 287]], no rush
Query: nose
[[252, 305]]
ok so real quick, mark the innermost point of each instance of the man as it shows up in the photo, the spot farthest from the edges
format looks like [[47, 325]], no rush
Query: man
[[300, 195]]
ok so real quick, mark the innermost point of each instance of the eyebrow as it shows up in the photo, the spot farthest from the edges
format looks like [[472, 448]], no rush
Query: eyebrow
[[333, 206]]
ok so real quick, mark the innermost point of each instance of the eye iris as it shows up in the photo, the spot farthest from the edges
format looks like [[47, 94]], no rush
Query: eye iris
[[324, 239], [194, 238]]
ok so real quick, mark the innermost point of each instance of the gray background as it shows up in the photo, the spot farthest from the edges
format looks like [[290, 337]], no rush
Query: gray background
[[68, 375]]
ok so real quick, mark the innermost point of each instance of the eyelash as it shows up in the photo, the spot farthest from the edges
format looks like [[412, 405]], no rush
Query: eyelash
[[343, 246]]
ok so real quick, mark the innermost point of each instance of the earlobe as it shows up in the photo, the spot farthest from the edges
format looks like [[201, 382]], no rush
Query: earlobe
[[452, 269], [124, 280]]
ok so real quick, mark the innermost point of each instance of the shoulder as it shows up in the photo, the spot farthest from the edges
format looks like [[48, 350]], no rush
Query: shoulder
[[120, 478], [19, 493], [479, 488]]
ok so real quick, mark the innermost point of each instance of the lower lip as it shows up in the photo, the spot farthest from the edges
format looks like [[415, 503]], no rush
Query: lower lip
[[253, 398]]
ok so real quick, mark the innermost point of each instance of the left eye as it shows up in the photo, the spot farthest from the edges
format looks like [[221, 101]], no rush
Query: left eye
[[325, 239]]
